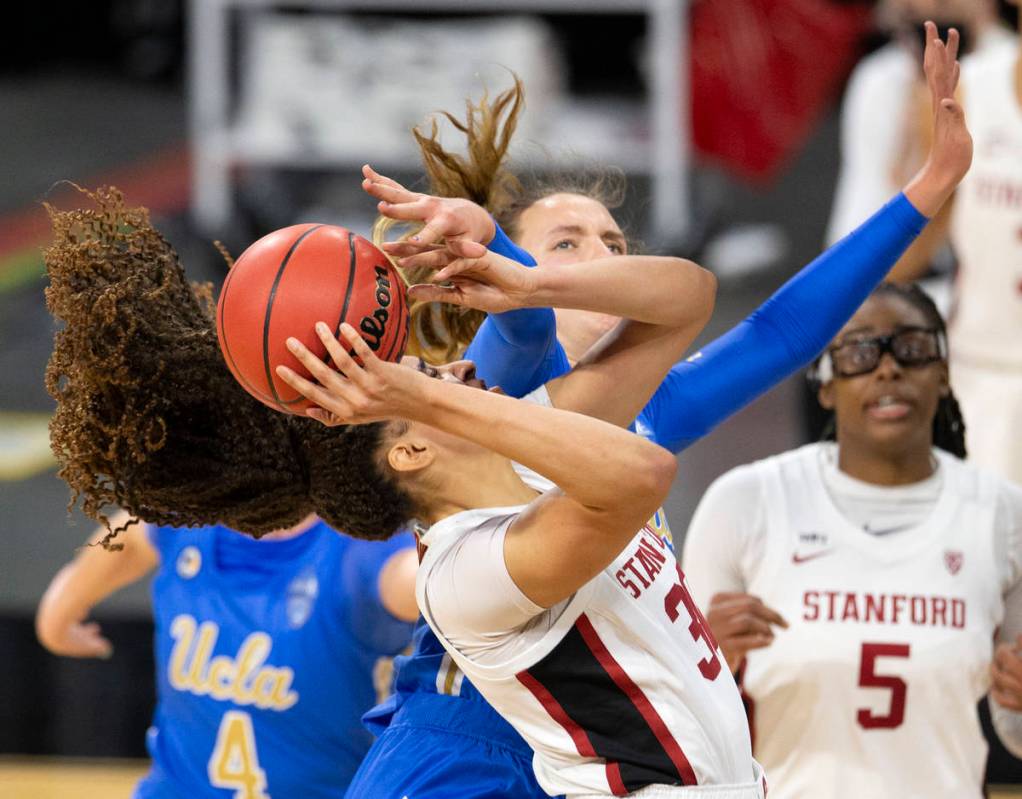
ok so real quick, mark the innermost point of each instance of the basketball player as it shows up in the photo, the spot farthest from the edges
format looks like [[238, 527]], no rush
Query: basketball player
[[530, 593], [986, 231], [894, 564], [436, 732], [265, 649]]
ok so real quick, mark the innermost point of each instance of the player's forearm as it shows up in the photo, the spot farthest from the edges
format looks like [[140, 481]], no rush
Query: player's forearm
[[652, 289], [94, 575], [595, 463]]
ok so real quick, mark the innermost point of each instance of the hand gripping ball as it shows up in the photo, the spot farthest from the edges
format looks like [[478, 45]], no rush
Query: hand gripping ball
[[289, 280]]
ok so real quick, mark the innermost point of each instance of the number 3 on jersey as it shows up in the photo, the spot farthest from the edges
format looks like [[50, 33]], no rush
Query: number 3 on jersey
[[698, 628], [234, 762]]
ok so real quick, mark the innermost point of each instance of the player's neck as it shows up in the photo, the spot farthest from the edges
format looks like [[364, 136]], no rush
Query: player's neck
[[479, 483], [902, 466]]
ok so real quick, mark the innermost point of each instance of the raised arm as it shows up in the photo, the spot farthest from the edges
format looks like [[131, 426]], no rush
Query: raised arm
[[791, 327], [78, 587]]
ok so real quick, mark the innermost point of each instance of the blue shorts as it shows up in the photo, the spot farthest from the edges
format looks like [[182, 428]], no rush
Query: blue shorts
[[436, 747]]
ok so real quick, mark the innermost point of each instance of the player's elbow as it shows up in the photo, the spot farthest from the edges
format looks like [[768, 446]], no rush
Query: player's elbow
[[698, 295], [652, 477]]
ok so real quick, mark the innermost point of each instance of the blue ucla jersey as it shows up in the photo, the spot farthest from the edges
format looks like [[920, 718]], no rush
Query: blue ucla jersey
[[264, 661]]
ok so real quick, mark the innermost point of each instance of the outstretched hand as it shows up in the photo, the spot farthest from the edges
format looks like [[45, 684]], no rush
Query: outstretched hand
[[473, 276], [441, 217], [951, 151]]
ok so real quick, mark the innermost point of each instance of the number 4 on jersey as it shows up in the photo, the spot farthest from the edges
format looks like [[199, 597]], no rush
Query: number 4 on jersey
[[234, 762]]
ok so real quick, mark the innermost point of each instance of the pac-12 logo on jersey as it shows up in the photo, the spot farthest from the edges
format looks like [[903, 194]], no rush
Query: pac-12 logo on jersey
[[659, 527], [189, 562], [301, 598]]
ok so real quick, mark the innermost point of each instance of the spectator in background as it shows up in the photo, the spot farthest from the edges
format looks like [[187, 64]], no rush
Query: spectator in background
[[986, 233]]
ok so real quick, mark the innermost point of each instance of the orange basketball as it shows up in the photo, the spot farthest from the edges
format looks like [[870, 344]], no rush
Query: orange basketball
[[289, 280]]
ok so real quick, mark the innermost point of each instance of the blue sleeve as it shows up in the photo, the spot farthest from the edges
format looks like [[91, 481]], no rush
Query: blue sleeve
[[372, 624], [784, 334], [517, 350]]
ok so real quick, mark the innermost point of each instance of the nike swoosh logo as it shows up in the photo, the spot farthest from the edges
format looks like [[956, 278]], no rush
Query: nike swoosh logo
[[796, 558]]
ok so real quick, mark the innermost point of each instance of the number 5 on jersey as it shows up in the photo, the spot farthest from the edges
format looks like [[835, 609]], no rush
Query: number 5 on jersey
[[868, 678], [234, 762]]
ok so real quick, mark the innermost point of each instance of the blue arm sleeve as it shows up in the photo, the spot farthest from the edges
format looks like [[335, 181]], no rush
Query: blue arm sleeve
[[371, 623], [784, 334], [517, 350]]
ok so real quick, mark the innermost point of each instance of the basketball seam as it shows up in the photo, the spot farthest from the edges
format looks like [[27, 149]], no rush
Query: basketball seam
[[351, 284], [226, 344], [269, 312]]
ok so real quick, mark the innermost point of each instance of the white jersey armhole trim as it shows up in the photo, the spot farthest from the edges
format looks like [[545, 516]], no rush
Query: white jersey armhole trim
[[523, 660]]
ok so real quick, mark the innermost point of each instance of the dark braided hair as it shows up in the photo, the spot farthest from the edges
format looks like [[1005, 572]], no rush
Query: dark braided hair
[[441, 330], [149, 418], [948, 424]]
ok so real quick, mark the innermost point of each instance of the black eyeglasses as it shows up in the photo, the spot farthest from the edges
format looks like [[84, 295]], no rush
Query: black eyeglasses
[[911, 347]]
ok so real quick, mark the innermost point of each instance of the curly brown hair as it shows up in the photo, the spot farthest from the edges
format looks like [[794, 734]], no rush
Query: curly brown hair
[[440, 331], [150, 419]]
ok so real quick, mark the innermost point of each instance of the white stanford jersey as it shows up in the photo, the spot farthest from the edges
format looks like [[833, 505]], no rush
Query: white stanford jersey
[[620, 687], [872, 690], [986, 325]]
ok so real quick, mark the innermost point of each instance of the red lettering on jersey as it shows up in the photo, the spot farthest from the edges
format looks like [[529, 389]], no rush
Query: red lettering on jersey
[[622, 578], [630, 565], [958, 613], [831, 599], [650, 559], [918, 609], [648, 548], [876, 607], [896, 606], [811, 603], [851, 611]]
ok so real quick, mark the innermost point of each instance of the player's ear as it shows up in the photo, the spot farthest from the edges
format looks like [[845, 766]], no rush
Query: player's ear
[[825, 395], [410, 454]]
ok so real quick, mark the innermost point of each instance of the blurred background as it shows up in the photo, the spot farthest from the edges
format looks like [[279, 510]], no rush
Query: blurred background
[[230, 118]]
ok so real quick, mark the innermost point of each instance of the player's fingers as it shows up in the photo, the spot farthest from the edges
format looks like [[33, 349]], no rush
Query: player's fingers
[[770, 615], [405, 248], [86, 641], [412, 211], [328, 400], [389, 194], [749, 623], [953, 41], [1008, 660], [743, 643], [341, 356], [378, 177], [426, 292], [1006, 700], [433, 231], [359, 345], [323, 374], [952, 107], [1005, 680], [434, 259]]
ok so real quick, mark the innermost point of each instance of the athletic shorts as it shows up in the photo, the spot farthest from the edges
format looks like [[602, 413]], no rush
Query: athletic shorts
[[437, 747]]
